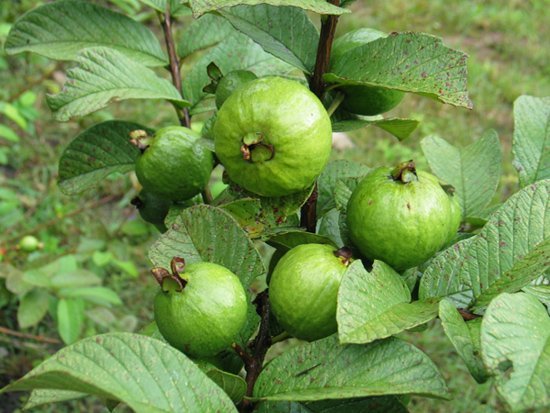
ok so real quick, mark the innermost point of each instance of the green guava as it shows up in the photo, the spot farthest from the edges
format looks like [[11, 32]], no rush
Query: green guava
[[205, 317], [152, 208], [29, 243], [400, 216], [273, 136], [303, 290], [174, 166], [360, 99], [231, 82], [456, 213]]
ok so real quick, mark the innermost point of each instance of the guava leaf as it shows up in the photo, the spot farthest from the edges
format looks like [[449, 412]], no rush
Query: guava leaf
[[343, 191], [202, 33], [460, 335], [207, 233], [70, 319], [384, 404], [474, 171], [146, 374], [325, 369], [284, 32], [399, 127], [377, 304], [236, 52], [515, 343], [60, 31], [103, 76], [40, 397], [329, 178], [200, 7], [95, 153], [503, 257], [234, 386], [531, 141], [32, 308], [329, 227], [410, 62], [177, 7]]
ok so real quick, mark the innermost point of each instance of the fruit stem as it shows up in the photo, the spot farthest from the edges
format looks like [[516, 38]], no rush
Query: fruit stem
[[345, 255], [335, 103], [166, 23], [171, 281], [140, 139], [405, 172]]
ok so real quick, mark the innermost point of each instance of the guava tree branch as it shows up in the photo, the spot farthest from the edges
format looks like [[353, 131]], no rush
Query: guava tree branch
[[166, 22], [254, 358], [308, 216]]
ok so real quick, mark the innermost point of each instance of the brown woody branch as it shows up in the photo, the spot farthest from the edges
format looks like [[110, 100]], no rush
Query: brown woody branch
[[42, 339], [308, 216], [166, 22]]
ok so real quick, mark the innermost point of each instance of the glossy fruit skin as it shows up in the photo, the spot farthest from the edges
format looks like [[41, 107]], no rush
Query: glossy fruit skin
[[204, 318], [304, 288], [277, 113], [364, 100], [231, 82], [174, 166], [402, 224]]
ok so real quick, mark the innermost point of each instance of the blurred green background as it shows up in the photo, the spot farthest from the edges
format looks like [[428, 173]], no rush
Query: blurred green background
[[100, 232]]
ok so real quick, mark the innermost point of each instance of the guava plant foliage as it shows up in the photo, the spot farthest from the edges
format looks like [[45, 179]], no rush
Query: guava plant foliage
[[488, 283]]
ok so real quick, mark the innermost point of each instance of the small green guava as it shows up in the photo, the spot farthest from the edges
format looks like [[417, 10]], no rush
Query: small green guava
[[28, 243], [273, 136], [205, 317], [361, 99], [304, 287], [152, 208], [174, 165], [400, 216], [231, 82]]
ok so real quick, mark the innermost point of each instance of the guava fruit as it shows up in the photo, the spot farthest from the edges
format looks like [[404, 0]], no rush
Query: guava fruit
[[362, 99], [231, 82], [273, 136], [203, 316], [304, 287], [152, 208], [174, 166], [29, 243], [400, 216]]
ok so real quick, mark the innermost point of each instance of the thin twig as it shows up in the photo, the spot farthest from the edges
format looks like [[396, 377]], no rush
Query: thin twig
[[254, 359], [467, 315], [308, 215], [166, 22], [42, 339]]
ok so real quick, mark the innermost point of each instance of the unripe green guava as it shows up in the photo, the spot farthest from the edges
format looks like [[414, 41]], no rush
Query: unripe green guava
[[231, 82], [206, 316], [303, 290], [400, 222]]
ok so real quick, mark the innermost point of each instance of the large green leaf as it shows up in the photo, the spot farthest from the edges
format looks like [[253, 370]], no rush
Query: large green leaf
[[95, 153], [40, 397], [234, 386], [318, 6], [411, 62], [460, 336], [105, 75], [503, 257], [146, 374], [531, 142], [32, 307], [385, 404], [325, 369], [236, 52], [60, 30], [70, 319], [515, 343], [377, 304], [207, 31], [207, 233], [474, 171], [399, 127], [285, 32], [329, 178]]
